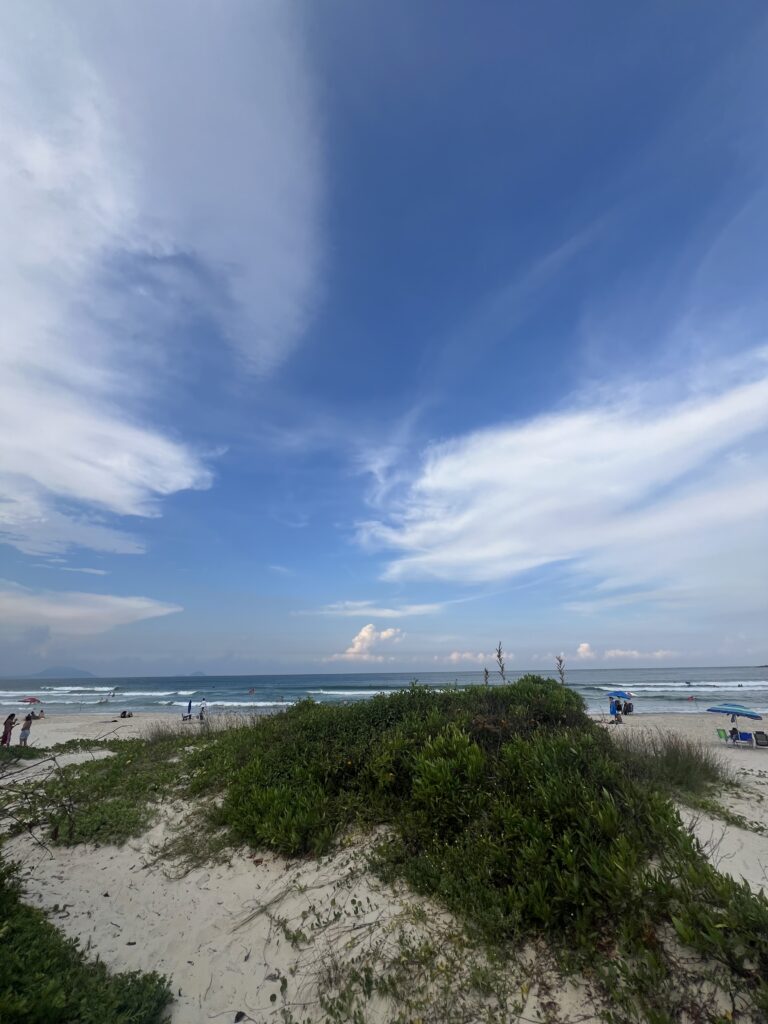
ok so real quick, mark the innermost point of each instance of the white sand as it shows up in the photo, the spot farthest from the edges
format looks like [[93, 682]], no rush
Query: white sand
[[738, 852], [228, 937], [55, 728]]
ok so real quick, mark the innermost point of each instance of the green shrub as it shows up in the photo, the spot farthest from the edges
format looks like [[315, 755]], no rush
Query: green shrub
[[11, 755]]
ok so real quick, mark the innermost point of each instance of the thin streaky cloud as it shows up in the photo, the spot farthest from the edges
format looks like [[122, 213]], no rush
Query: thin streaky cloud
[[72, 568], [355, 609], [72, 613], [650, 498]]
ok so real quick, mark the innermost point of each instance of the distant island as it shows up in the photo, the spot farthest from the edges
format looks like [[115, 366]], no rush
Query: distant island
[[62, 672], [197, 675]]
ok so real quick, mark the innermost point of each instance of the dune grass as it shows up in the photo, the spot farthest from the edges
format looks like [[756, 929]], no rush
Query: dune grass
[[671, 762], [506, 804]]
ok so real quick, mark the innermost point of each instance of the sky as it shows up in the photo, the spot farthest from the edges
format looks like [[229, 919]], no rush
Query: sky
[[355, 337]]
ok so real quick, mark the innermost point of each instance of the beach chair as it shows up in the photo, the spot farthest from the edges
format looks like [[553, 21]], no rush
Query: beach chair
[[745, 738], [761, 740], [722, 734]]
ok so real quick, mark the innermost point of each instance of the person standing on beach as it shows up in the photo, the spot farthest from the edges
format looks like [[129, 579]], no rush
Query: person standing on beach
[[203, 706], [8, 727], [189, 707], [26, 728]]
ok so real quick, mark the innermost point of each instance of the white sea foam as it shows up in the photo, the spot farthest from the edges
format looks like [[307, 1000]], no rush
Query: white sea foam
[[18, 694], [77, 689], [701, 687], [127, 694], [344, 694], [236, 703], [61, 700]]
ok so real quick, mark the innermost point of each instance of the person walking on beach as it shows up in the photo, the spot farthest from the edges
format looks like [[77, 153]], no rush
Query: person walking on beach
[[189, 708], [26, 728], [8, 726]]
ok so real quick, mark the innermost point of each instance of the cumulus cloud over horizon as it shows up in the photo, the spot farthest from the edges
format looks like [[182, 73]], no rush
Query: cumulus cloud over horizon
[[365, 644]]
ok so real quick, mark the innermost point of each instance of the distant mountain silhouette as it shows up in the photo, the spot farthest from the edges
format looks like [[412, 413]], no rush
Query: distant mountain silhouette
[[63, 672]]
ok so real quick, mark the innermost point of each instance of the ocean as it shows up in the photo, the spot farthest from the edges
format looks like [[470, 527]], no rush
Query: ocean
[[668, 690]]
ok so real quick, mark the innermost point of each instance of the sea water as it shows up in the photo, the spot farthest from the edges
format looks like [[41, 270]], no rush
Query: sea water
[[668, 690]]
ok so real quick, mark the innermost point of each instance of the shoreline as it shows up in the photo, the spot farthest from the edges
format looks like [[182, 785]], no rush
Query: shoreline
[[59, 728]]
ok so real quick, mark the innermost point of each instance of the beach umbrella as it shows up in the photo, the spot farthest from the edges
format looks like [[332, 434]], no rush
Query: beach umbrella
[[735, 709], [30, 700], [623, 694]]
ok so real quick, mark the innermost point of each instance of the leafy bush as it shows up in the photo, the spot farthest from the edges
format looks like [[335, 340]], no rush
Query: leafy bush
[[10, 755], [45, 978]]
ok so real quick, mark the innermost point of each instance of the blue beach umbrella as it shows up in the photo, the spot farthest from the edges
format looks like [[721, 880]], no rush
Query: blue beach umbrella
[[736, 709], [623, 694]]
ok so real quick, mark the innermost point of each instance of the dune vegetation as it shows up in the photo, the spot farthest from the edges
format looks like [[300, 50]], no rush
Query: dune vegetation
[[505, 804]]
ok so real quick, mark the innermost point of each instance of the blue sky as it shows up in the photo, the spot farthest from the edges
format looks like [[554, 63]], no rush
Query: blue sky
[[359, 337]]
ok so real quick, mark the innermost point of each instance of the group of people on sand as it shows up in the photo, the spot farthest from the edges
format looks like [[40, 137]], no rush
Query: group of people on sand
[[26, 727], [618, 708]]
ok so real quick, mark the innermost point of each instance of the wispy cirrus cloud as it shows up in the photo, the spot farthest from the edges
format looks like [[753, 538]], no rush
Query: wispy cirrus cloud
[[366, 643], [104, 172], [71, 613], [668, 499], [355, 609], [86, 570]]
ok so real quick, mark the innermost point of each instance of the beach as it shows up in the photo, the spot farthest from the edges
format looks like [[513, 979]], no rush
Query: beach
[[60, 728], [226, 934]]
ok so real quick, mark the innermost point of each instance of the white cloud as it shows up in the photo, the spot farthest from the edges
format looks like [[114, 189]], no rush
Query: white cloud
[[70, 613], [365, 643], [671, 501], [632, 655], [354, 609], [138, 136], [76, 568], [585, 652], [232, 173], [458, 656]]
